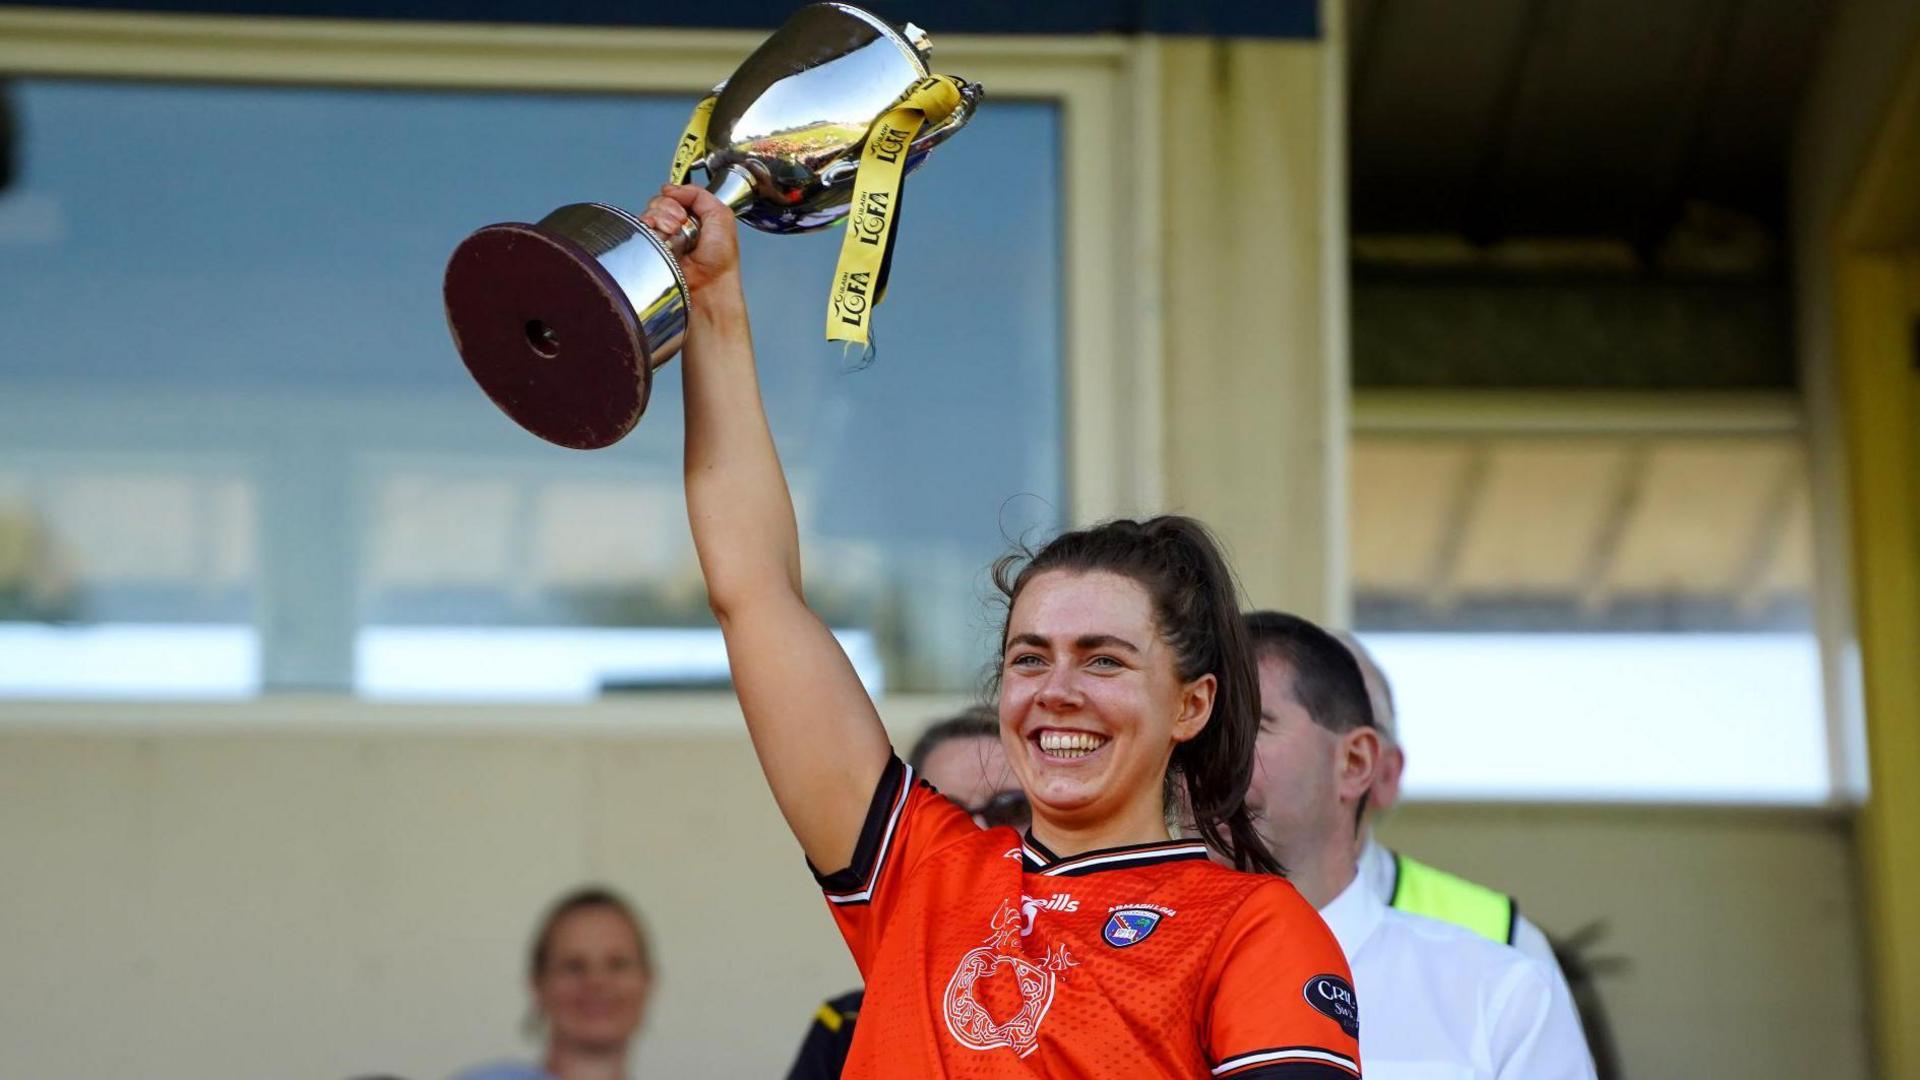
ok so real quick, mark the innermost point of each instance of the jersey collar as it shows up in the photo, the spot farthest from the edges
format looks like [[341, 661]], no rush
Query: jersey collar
[[1035, 857]]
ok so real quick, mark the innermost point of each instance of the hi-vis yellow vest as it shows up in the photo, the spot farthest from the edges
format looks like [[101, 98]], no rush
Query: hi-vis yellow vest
[[1421, 890]]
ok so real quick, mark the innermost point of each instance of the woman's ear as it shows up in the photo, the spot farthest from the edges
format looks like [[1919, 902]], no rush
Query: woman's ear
[[1196, 707]]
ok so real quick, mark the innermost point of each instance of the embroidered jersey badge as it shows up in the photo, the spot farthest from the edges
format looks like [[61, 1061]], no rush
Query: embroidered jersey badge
[[1129, 926], [969, 1020]]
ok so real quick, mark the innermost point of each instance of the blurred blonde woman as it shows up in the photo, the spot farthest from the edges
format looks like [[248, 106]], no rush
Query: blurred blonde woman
[[591, 973]]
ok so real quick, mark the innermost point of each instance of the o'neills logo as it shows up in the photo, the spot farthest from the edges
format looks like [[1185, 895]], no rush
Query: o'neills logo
[[870, 224], [850, 297], [889, 143]]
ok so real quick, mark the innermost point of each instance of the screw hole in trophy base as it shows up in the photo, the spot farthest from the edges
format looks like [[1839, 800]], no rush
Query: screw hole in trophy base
[[542, 339]]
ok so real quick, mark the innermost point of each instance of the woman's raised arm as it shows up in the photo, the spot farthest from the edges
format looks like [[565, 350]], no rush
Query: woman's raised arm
[[819, 739]]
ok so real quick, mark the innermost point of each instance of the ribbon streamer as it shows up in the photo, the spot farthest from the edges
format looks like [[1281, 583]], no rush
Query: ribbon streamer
[[860, 276], [693, 141]]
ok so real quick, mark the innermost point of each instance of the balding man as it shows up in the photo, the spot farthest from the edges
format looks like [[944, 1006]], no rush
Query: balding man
[[1435, 999]]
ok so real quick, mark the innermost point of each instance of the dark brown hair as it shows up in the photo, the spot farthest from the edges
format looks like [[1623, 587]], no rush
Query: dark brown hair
[[1326, 674], [978, 722], [1196, 605]]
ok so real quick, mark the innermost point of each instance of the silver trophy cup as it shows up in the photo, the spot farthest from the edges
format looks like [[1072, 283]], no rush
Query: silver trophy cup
[[564, 321]]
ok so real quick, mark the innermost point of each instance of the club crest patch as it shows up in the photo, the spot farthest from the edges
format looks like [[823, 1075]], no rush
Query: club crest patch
[[1129, 926], [1332, 997]]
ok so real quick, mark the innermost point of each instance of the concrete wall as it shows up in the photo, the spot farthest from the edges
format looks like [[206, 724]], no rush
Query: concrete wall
[[313, 906], [252, 904], [1737, 930]]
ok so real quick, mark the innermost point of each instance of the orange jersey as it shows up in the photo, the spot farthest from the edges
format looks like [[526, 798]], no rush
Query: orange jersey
[[987, 956]]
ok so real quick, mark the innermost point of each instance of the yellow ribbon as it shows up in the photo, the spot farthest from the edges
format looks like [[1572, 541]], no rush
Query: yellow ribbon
[[860, 277], [693, 141]]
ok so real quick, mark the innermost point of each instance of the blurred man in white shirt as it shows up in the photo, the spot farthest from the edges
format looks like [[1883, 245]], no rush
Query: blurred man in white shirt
[[1435, 999]]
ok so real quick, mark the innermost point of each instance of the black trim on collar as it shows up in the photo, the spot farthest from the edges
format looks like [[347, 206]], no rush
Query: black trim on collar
[[1037, 858], [1038, 848]]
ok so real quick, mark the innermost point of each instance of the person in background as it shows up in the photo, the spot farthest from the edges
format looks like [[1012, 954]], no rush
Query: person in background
[[591, 973], [962, 758], [1407, 884], [1435, 998]]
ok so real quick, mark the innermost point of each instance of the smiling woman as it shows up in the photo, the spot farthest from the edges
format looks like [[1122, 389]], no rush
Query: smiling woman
[[590, 971], [1127, 673], [1126, 679]]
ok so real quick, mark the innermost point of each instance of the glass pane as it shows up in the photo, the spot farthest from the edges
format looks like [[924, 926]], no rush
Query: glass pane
[[1608, 717], [1594, 616], [228, 397]]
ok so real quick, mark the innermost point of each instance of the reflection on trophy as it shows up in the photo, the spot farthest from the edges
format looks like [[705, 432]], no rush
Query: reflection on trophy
[[563, 322]]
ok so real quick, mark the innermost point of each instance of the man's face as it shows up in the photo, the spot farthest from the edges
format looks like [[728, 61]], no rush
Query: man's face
[[1294, 797], [970, 771]]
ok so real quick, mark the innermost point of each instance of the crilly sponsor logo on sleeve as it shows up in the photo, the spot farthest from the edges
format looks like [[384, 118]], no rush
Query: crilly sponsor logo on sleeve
[[1332, 997]]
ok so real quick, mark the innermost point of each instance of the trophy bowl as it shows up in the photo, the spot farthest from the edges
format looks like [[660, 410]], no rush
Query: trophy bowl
[[562, 322]]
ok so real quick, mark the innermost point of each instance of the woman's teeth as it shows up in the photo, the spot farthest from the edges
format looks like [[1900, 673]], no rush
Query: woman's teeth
[[1069, 744]]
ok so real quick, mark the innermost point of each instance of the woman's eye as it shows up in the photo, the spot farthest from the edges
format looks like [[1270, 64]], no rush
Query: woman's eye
[[1024, 660], [1106, 662]]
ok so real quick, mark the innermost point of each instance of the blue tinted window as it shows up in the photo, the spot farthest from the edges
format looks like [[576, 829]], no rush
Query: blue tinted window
[[228, 397]]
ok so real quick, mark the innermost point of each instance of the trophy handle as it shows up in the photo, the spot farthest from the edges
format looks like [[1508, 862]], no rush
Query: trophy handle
[[842, 171], [935, 134]]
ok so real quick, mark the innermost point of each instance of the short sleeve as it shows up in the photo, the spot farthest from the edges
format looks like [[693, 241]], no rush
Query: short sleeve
[[1533, 1031], [1281, 1005], [906, 820]]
